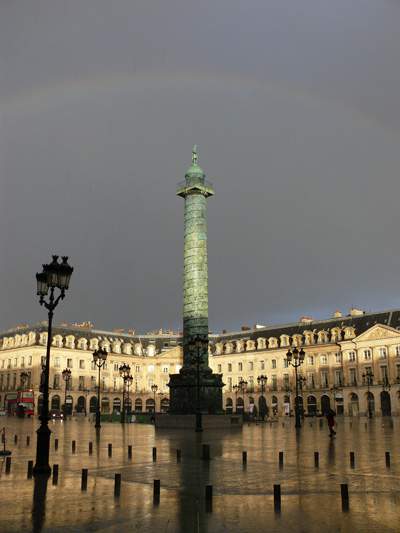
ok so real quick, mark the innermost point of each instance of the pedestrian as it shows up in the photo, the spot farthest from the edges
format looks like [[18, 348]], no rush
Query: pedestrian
[[330, 417]]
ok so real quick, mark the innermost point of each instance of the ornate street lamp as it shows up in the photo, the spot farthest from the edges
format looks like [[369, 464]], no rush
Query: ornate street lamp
[[368, 377], [99, 359], [154, 389], [196, 347], [295, 358], [66, 375], [262, 381], [125, 373], [54, 276]]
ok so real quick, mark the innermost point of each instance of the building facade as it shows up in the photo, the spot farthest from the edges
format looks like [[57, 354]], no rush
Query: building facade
[[352, 364]]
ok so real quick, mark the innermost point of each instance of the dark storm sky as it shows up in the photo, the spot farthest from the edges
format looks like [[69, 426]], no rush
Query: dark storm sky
[[295, 108]]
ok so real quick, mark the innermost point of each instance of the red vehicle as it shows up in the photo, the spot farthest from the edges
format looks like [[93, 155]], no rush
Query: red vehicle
[[20, 402]]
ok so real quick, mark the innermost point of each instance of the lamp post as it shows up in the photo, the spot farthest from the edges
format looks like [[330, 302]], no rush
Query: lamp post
[[54, 276], [99, 359], [125, 373], [295, 358], [302, 381], [154, 389], [66, 374], [368, 376], [196, 347], [262, 381]]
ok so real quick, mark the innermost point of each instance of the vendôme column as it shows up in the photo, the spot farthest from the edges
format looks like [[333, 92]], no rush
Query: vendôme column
[[183, 386]]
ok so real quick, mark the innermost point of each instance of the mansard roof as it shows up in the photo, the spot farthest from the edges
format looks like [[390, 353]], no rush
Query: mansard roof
[[359, 323], [159, 340]]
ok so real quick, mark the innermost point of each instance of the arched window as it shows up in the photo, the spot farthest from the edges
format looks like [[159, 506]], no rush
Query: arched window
[[386, 407], [93, 404], [261, 343], [116, 346], [285, 340], [229, 405], [82, 344], [150, 405], [325, 404], [272, 342], [239, 405], [81, 405], [127, 348], [58, 341], [105, 405], [370, 402], [55, 402], [117, 405], [70, 342], [164, 404], [312, 405], [94, 344], [138, 405]]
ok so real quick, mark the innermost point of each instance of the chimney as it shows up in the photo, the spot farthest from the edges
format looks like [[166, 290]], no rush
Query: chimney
[[354, 311]]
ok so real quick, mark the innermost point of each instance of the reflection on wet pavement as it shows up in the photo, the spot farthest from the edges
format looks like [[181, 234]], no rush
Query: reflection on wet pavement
[[242, 494]]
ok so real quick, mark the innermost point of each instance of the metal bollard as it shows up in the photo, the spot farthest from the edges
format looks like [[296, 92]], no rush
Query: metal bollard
[[56, 444], [28, 440], [244, 458], [387, 459], [178, 456], [117, 485], [277, 498], [205, 452], [344, 491], [90, 448], [209, 497], [321, 423], [280, 459], [130, 451], [366, 426], [316, 459], [15, 439], [156, 491], [8, 465], [352, 460], [84, 479], [30, 469], [55, 474], [73, 446], [154, 454], [110, 450]]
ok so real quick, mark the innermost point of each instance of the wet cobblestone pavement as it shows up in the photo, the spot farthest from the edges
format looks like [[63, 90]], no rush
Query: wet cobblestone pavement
[[242, 495]]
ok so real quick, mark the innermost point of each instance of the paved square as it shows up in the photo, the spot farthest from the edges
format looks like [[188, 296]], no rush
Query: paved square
[[243, 498]]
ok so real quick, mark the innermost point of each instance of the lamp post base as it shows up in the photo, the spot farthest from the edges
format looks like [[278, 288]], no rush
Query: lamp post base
[[42, 467]]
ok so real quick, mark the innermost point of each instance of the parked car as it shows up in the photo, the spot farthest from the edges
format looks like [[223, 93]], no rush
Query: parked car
[[56, 413]]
